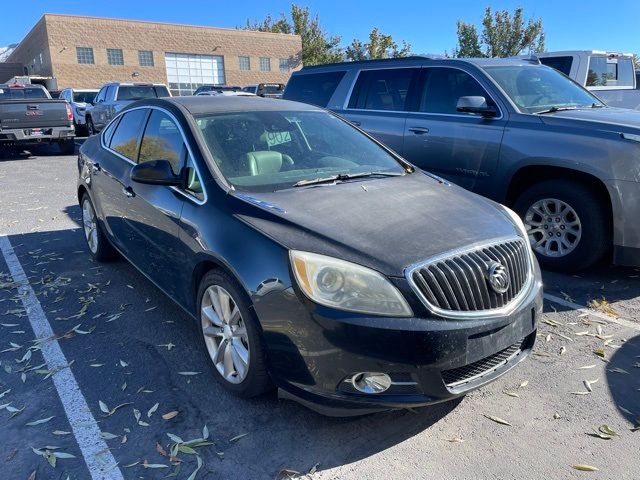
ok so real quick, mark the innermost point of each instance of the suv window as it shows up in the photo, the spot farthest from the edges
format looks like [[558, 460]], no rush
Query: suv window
[[125, 138], [162, 140], [562, 64], [138, 92], [385, 89], [15, 93], [313, 88], [442, 87], [610, 73]]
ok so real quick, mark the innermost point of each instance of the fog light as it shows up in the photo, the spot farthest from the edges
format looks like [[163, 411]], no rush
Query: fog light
[[371, 382]]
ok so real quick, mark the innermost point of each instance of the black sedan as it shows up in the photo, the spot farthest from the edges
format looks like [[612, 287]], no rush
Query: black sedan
[[313, 258]]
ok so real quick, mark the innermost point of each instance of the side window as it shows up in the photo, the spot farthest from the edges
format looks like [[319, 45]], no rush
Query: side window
[[162, 140], [562, 64], [313, 88], [126, 135], [444, 86], [101, 95], [108, 132], [194, 185], [109, 93], [383, 89]]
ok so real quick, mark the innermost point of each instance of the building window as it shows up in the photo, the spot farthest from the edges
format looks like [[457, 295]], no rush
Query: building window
[[114, 56], [265, 64], [145, 58], [244, 63], [284, 64], [187, 72], [85, 55]]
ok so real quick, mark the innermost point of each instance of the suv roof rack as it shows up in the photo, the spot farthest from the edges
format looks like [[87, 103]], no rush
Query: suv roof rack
[[368, 62]]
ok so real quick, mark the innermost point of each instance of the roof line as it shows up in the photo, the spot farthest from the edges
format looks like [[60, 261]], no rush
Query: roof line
[[64, 15]]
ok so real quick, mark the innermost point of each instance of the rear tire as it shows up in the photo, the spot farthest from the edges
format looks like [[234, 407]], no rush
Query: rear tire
[[226, 317], [67, 147], [569, 224], [98, 244], [91, 128]]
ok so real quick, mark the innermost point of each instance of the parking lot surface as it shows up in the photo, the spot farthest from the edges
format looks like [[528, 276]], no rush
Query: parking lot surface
[[141, 374]]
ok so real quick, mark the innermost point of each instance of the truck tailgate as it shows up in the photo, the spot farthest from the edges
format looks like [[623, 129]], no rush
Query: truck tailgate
[[35, 113]]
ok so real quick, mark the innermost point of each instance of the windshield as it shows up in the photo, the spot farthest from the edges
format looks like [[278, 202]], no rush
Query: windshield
[[271, 150], [138, 92], [84, 97], [16, 93], [538, 88]]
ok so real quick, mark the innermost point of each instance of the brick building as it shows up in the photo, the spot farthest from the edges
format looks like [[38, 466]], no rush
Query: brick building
[[85, 52]]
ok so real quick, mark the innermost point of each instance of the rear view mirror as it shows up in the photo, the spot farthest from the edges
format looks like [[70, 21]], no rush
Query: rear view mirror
[[476, 105], [155, 172]]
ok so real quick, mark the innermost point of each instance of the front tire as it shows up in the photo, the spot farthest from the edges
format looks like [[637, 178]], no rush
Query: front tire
[[97, 242], [231, 335], [568, 224]]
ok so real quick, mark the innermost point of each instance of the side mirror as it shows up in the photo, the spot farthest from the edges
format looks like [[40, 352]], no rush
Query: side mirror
[[476, 105], [155, 172]]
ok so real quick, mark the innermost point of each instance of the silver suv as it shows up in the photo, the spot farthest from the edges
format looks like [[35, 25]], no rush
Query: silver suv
[[513, 130]]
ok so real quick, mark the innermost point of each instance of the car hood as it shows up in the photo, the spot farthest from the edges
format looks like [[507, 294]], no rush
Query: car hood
[[614, 117], [384, 223]]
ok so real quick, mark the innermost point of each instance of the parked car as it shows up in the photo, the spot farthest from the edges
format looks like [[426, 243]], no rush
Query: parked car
[[270, 90], [217, 88], [29, 116], [226, 93], [512, 130], [608, 75], [79, 99], [113, 97], [311, 256]]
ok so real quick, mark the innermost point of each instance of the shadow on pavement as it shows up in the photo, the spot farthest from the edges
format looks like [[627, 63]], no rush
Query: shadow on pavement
[[624, 387]]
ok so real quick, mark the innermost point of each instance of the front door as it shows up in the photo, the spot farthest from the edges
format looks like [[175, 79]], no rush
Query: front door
[[461, 147]]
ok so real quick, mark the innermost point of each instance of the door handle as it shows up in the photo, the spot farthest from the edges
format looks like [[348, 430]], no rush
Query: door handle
[[128, 191], [419, 130]]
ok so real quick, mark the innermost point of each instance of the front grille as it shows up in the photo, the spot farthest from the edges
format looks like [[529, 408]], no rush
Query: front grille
[[459, 282], [457, 376]]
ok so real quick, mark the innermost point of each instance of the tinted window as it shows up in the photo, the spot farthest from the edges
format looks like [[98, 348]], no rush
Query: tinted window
[[101, 95], [605, 72], [138, 92], [444, 86], [271, 150], [162, 141], [194, 185], [108, 132], [562, 64], [314, 88], [383, 89], [125, 138], [110, 92], [84, 97], [18, 93]]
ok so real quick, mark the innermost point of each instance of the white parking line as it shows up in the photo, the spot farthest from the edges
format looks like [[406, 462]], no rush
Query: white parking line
[[96, 453], [581, 309]]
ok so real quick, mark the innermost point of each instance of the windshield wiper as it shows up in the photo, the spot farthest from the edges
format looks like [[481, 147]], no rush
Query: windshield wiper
[[555, 109], [344, 176]]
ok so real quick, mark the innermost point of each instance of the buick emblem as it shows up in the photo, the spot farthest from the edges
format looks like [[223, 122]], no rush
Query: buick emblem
[[498, 277]]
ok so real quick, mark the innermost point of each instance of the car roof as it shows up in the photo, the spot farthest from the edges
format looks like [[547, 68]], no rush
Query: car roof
[[203, 104]]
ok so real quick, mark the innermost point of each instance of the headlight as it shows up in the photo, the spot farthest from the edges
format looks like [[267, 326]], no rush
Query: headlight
[[347, 286], [516, 220]]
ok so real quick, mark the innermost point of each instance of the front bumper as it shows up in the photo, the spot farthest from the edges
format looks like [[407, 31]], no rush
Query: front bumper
[[430, 360], [36, 135]]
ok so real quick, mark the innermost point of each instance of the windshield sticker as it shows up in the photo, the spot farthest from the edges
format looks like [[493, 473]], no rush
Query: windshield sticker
[[278, 138]]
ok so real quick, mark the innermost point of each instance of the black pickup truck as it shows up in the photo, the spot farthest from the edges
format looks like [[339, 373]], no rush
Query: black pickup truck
[[28, 116]]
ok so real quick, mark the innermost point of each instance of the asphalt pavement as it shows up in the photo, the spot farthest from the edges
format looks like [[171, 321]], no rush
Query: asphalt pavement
[[123, 383]]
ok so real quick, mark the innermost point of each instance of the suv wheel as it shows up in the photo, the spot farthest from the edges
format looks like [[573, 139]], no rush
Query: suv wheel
[[98, 244], [231, 336], [568, 225]]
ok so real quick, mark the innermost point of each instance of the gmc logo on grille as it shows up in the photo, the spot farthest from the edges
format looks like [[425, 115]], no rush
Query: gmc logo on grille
[[33, 113]]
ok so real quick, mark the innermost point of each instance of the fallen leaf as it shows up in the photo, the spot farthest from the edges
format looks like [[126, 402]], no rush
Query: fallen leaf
[[238, 437], [498, 420], [188, 373], [169, 415], [511, 394], [587, 367], [618, 370], [152, 410], [523, 384], [607, 431], [455, 440], [584, 468], [39, 422], [160, 450], [108, 436]]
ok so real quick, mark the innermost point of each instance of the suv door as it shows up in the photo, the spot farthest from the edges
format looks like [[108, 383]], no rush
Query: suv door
[[379, 102], [461, 147], [111, 176]]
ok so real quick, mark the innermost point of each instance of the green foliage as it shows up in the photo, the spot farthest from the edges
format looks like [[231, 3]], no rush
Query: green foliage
[[503, 35], [379, 46]]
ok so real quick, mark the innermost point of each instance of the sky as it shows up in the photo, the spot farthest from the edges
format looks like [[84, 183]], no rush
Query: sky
[[429, 26]]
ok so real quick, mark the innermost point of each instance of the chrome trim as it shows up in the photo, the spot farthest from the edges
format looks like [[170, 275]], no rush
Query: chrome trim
[[475, 314], [184, 139], [484, 373]]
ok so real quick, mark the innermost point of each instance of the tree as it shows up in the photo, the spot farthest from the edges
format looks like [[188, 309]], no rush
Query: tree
[[379, 46], [317, 46], [503, 35]]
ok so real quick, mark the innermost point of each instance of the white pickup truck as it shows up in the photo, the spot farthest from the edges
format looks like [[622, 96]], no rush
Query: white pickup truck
[[608, 75]]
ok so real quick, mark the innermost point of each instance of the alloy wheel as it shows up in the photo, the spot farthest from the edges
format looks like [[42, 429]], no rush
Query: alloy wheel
[[225, 334], [90, 225], [553, 226]]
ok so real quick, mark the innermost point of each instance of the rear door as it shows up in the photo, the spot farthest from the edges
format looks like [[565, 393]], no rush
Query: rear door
[[98, 111], [461, 147]]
